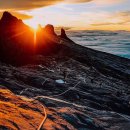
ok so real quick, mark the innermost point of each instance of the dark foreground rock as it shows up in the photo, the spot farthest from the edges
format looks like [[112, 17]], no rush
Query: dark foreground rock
[[89, 100]]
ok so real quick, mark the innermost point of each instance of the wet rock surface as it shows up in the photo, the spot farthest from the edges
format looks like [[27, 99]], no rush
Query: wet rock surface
[[87, 100]]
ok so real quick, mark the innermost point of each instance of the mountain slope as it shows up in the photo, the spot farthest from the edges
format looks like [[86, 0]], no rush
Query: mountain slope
[[88, 99], [63, 86]]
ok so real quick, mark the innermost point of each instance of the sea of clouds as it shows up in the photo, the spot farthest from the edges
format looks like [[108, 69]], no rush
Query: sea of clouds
[[117, 42]]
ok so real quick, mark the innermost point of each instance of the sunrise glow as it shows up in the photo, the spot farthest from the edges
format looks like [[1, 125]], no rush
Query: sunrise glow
[[33, 23], [64, 64], [35, 37], [77, 15]]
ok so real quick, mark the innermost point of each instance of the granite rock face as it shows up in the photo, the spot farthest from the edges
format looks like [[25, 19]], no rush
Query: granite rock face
[[87, 100]]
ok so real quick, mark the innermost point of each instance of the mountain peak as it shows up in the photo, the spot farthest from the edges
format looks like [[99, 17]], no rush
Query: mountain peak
[[6, 13], [8, 17]]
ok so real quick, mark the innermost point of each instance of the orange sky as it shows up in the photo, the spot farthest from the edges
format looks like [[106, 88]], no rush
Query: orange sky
[[75, 14]]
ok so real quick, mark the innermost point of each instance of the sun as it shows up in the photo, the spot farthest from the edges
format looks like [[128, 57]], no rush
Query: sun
[[35, 27], [33, 23]]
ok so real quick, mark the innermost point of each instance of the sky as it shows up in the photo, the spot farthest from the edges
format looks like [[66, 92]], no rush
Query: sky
[[72, 14]]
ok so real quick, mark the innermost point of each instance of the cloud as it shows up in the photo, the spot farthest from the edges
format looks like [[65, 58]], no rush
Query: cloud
[[106, 24], [76, 1], [31, 4], [82, 20], [107, 2], [120, 18], [25, 4], [66, 28]]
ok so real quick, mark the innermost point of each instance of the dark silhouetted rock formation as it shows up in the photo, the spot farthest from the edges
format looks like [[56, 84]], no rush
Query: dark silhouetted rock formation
[[63, 35], [18, 43], [16, 39], [47, 40], [7, 18], [10, 23], [49, 29]]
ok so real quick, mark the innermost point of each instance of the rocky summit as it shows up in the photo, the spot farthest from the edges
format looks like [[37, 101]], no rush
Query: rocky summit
[[73, 88]]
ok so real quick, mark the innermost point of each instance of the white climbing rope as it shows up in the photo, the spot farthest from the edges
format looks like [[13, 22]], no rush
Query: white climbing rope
[[35, 98]]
